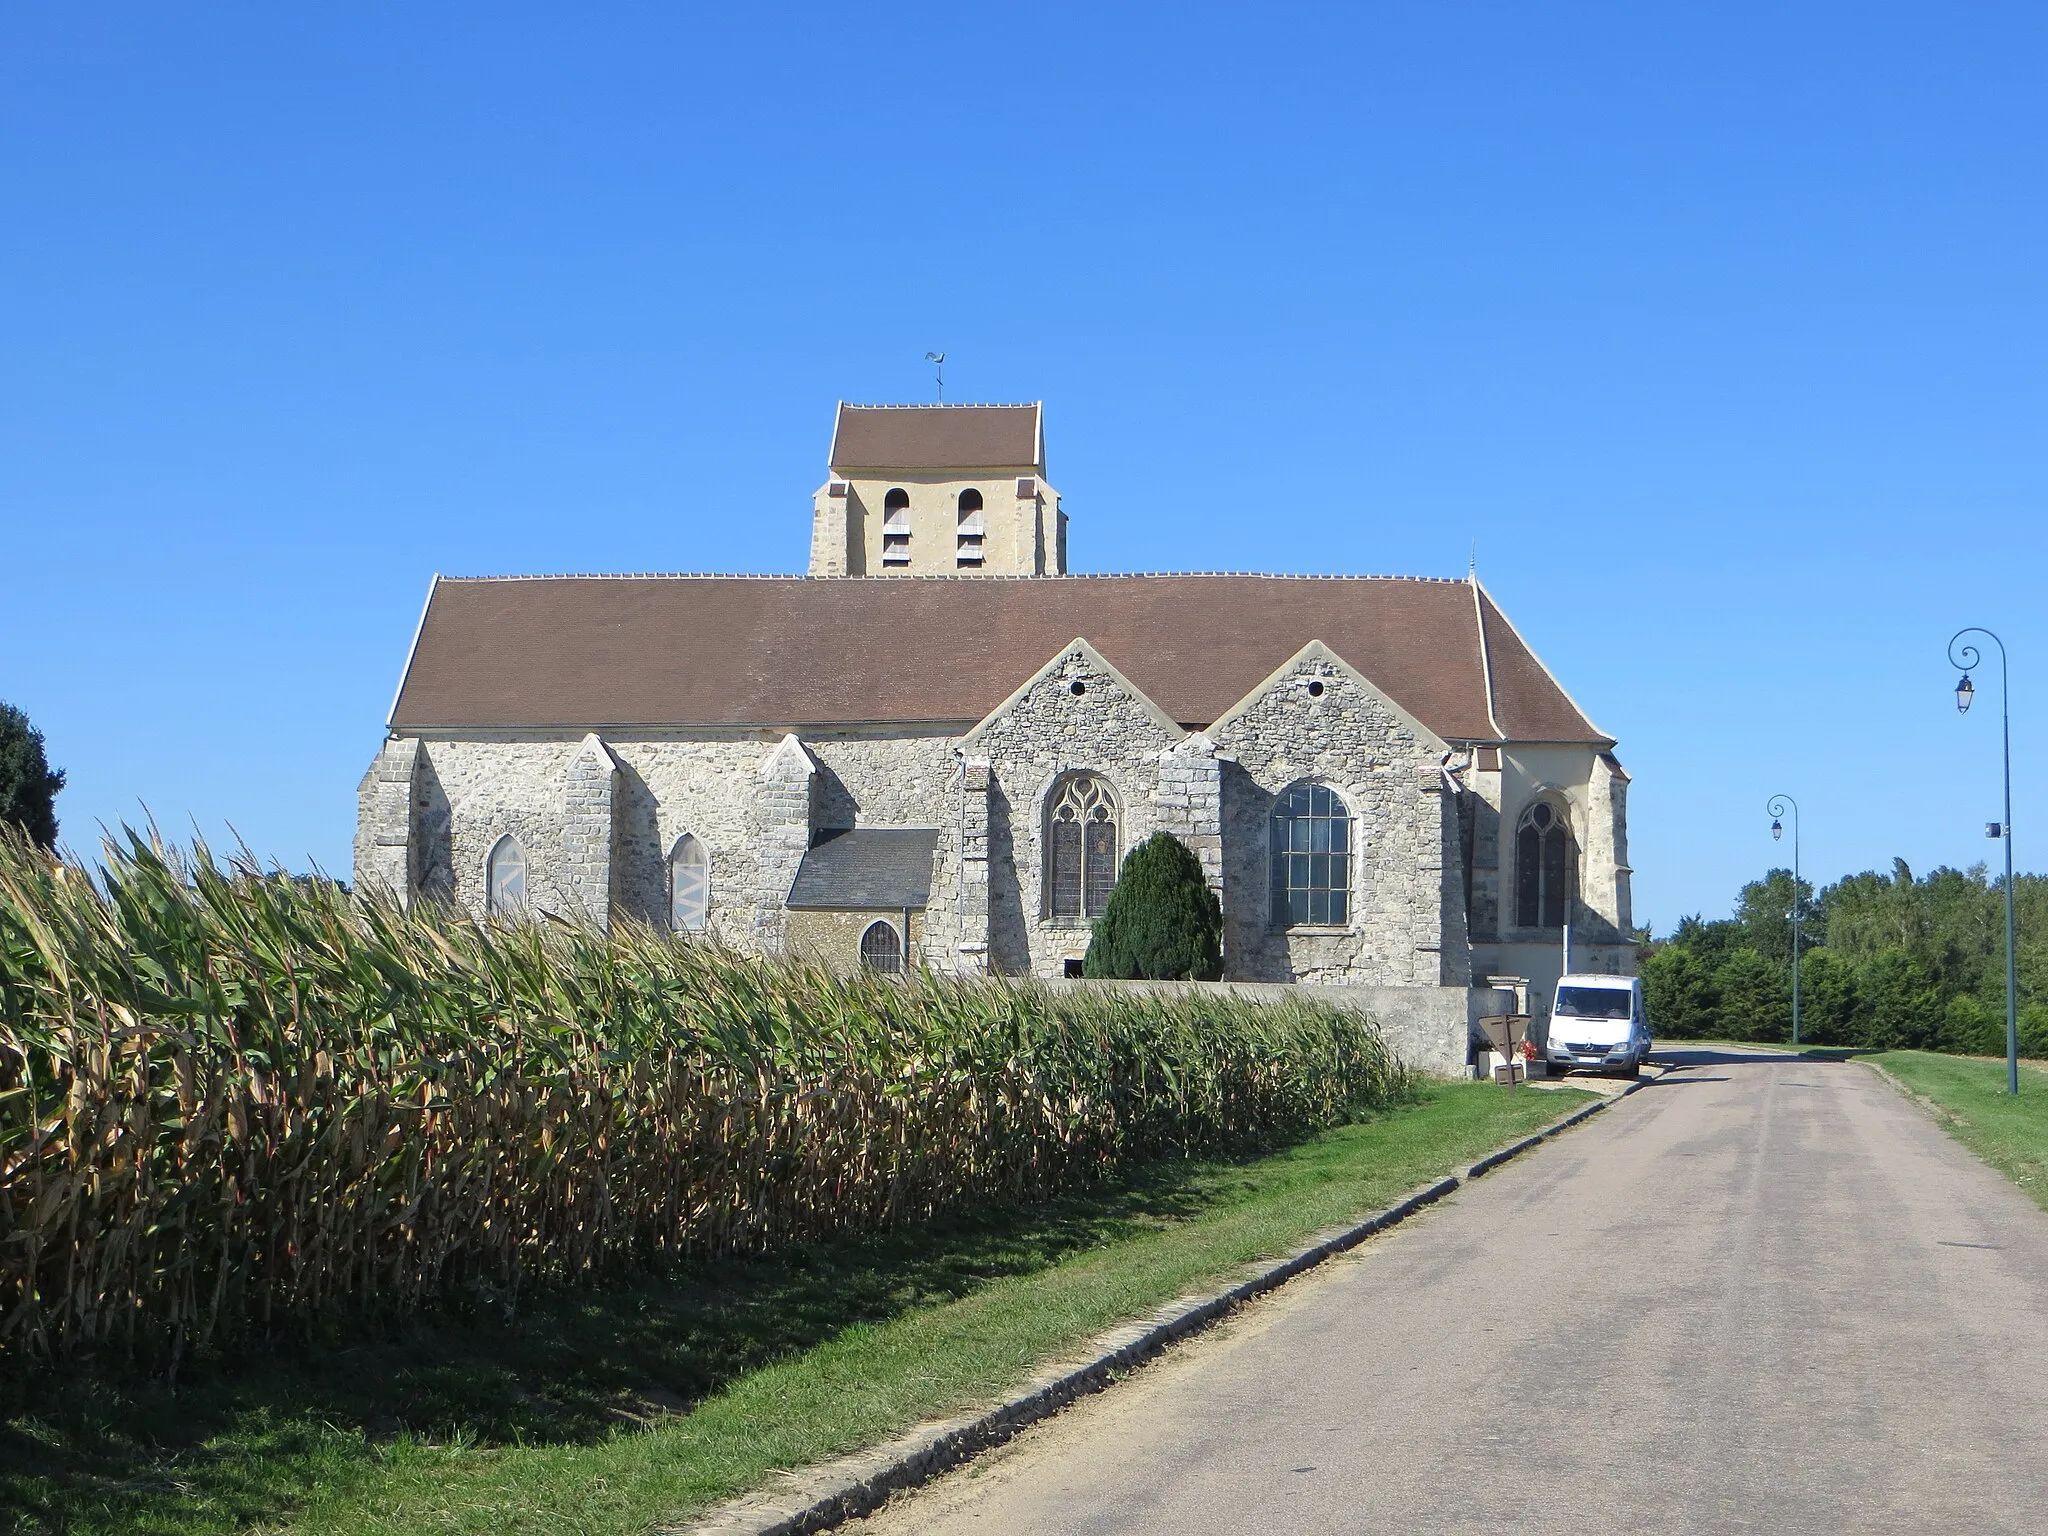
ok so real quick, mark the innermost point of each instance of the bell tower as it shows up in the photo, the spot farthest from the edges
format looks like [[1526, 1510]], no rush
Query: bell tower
[[938, 490]]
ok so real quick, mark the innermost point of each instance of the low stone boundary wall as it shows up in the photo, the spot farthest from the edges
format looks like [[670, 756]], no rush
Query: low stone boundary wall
[[1427, 1027]]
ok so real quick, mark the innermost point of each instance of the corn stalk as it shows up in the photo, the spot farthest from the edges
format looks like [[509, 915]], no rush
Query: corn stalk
[[234, 1102]]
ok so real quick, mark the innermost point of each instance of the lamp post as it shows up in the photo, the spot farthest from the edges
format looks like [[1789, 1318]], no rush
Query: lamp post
[[1777, 807], [1967, 657]]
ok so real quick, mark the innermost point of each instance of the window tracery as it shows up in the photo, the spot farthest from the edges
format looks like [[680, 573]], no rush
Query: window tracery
[[1546, 867], [1081, 846]]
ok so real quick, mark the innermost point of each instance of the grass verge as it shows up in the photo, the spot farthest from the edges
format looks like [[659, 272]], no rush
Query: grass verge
[[1969, 1099], [610, 1411]]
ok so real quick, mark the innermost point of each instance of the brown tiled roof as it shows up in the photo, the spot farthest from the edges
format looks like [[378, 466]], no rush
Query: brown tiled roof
[[871, 437], [592, 652]]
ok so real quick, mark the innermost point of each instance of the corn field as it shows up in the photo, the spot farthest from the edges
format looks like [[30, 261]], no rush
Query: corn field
[[236, 1103]]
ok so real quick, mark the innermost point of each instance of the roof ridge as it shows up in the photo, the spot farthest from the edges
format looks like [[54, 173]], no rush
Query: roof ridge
[[944, 405], [1446, 581]]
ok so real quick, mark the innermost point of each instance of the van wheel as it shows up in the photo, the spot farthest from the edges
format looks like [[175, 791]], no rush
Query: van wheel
[[1634, 1072]]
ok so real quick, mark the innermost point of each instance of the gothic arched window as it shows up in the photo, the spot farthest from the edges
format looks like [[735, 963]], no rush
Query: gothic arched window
[[896, 527], [971, 530], [505, 879], [689, 885], [1546, 864], [881, 949], [1080, 846], [1311, 837]]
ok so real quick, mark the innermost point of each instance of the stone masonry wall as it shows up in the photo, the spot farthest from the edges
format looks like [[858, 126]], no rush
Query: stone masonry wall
[[385, 820], [1318, 720], [832, 938], [752, 825], [430, 812], [1076, 715], [589, 833]]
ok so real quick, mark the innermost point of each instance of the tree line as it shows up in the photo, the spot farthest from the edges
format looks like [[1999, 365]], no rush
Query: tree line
[[1886, 961]]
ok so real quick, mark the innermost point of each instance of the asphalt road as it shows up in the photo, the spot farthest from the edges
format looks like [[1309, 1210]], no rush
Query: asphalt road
[[1762, 1294]]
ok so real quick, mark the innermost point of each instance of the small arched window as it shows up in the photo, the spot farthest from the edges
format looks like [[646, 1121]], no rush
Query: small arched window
[[1081, 846], [1311, 836], [689, 885], [1546, 867], [972, 530], [505, 879], [896, 527], [881, 949]]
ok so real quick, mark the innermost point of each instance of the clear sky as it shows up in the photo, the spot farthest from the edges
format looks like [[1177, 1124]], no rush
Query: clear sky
[[1720, 330]]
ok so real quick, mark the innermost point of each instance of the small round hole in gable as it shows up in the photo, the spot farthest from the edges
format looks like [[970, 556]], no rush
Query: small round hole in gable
[[1077, 687], [1315, 688]]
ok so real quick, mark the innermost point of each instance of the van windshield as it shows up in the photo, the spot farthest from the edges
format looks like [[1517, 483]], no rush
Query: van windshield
[[1592, 1002]]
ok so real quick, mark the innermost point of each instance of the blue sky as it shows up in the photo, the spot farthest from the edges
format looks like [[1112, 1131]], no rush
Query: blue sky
[[1721, 330]]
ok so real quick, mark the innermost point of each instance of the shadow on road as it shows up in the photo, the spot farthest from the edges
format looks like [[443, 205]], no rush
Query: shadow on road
[[1745, 1056]]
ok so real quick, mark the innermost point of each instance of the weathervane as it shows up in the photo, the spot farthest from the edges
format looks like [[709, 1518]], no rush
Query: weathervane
[[940, 359]]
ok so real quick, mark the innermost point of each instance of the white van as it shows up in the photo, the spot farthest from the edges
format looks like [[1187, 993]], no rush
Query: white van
[[1597, 1021]]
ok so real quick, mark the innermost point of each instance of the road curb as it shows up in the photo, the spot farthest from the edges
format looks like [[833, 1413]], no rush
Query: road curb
[[826, 1495]]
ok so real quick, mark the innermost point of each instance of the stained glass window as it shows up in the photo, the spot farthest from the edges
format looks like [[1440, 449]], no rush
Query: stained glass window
[[1546, 863], [1081, 842]]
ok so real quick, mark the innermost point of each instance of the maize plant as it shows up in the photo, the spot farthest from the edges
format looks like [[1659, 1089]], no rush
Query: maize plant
[[235, 1103]]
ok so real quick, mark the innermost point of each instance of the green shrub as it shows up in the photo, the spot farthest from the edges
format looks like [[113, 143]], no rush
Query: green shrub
[[1970, 1028], [1829, 1005], [1906, 1008], [1755, 998], [1678, 994], [2033, 1022], [1163, 923]]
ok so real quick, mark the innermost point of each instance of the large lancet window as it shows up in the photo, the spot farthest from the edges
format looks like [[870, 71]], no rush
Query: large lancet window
[[505, 879], [1311, 858], [896, 527], [1081, 846], [689, 885], [1546, 864], [881, 949], [971, 532]]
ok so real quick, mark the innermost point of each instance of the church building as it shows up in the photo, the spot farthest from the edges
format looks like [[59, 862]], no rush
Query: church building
[[936, 747]]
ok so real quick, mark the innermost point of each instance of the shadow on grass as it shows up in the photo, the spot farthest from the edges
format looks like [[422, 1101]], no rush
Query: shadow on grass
[[237, 1442]]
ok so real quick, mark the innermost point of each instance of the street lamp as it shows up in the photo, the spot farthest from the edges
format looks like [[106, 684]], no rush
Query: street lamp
[[1967, 657], [1777, 808]]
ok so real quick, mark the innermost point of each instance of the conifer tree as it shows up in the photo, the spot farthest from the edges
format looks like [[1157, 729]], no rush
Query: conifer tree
[[28, 785], [1162, 923]]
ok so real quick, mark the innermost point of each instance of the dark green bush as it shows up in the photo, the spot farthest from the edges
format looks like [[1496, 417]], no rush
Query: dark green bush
[[1163, 923], [1755, 998], [28, 785]]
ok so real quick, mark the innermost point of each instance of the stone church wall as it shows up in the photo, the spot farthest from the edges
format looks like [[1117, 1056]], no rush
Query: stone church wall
[[1407, 867], [471, 792], [1077, 715], [755, 800]]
